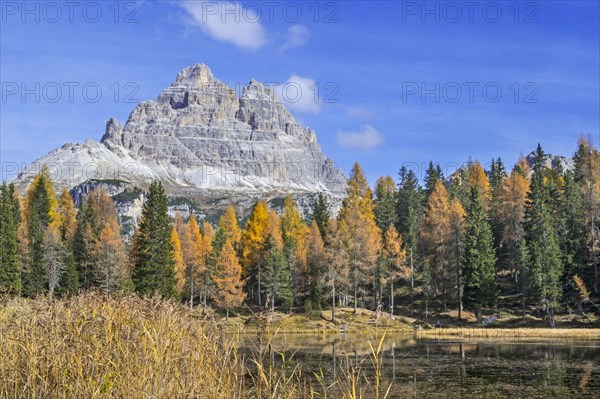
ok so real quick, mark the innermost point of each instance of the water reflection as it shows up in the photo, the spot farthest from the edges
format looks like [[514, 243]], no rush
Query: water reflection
[[451, 369]]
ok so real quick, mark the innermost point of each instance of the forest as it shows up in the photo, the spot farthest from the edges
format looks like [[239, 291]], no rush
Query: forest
[[524, 240]]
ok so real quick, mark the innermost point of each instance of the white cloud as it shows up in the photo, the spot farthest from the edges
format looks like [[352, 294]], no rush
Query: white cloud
[[299, 94], [297, 35], [357, 112], [227, 22], [366, 139]]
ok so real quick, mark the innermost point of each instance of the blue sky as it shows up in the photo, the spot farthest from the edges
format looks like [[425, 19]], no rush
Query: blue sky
[[399, 82]]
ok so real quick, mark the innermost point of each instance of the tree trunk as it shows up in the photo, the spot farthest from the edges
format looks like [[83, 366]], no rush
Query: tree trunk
[[392, 296], [478, 315], [333, 305], [550, 313], [355, 297], [412, 284], [458, 292], [226, 314], [192, 286], [259, 299]]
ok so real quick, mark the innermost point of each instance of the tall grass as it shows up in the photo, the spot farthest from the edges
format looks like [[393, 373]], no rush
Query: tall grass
[[93, 346], [522, 333]]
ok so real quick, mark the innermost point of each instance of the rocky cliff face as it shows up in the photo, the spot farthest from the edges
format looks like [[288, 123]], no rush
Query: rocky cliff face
[[206, 145]]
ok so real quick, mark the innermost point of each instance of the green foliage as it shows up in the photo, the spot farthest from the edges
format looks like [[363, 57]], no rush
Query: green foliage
[[479, 257], [10, 263], [410, 208], [276, 276], [153, 263], [320, 214]]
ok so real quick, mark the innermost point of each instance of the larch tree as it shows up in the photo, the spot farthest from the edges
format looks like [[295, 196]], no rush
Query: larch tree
[[153, 264], [229, 292], [479, 258], [395, 256], [179, 262], [253, 240], [364, 238], [229, 223], [385, 204], [10, 261], [54, 257], [208, 234], [294, 233], [337, 261], [477, 179], [435, 238], [111, 271], [194, 258]]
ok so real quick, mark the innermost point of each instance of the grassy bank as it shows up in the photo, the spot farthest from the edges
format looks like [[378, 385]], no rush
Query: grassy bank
[[92, 346], [521, 333]]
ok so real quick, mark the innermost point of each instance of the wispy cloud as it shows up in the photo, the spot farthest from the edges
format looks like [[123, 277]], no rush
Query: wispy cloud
[[358, 112], [227, 22], [367, 139], [297, 35], [300, 94]]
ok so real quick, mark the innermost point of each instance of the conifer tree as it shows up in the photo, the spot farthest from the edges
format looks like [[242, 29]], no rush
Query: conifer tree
[[410, 211], [229, 224], [10, 262], [433, 175], [194, 258], [253, 240], [384, 204], [67, 225], [435, 239], [320, 214], [337, 260], [227, 277], [110, 271], [457, 233], [153, 264], [207, 238], [179, 262], [315, 260], [275, 276], [395, 256], [295, 233], [480, 258], [363, 235], [54, 257], [39, 212], [543, 244]]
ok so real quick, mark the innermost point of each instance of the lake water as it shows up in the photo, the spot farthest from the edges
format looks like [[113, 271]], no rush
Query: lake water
[[428, 368]]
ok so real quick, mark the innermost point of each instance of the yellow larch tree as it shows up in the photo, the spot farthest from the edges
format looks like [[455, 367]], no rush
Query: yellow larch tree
[[396, 257], [228, 280], [179, 262], [253, 239], [229, 223]]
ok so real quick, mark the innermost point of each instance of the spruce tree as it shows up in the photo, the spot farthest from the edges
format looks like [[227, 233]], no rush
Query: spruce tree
[[275, 276], [384, 205], [433, 174], [10, 263], [545, 266], [320, 214], [153, 262], [39, 212], [479, 259]]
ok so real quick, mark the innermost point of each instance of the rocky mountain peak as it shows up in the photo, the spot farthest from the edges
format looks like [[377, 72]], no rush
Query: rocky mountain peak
[[194, 76]]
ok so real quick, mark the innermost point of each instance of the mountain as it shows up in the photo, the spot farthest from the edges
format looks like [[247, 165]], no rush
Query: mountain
[[208, 147]]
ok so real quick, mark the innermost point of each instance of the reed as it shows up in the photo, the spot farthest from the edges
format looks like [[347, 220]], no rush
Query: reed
[[511, 333]]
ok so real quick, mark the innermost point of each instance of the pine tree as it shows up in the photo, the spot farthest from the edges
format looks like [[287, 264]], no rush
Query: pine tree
[[275, 276], [479, 259], [384, 204], [10, 262], [39, 212], [320, 214], [227, 277], [153, 264], [543, 243]]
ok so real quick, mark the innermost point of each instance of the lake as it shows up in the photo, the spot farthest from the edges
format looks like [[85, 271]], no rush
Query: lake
[[430, 368]]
